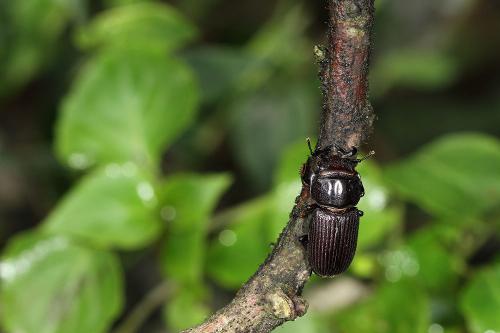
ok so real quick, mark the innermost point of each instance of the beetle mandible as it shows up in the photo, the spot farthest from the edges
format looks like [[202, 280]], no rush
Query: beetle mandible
[[335, 188]]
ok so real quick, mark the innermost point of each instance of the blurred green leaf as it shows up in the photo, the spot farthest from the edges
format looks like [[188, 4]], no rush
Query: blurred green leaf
[[220, 70], [381, 216], [278, 47], [261, 104], [291, 162], [399, 264], [187, 203], [53, 285], [113, 3], [439, 265], [456, 176], [279, 117], [364, 264], [241, 247], [29, 32], [282, 41], [123, 107], [282, 200], [114, 207], [185, 310], [480, 301], [199, 10], [287, 186], [306, 324], [139, 25], [397, 308], [413, 68]]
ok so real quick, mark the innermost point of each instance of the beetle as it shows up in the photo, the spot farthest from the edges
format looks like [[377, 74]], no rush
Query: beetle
[[335, 188]]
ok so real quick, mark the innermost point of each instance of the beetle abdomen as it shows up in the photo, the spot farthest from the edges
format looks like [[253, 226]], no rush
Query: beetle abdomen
[[332, 240]]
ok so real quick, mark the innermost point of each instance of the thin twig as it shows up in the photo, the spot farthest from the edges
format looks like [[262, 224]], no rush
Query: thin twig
[[272, 295], [143, 310]]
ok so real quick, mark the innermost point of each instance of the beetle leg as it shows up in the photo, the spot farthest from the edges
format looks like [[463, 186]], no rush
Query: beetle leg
[[304, 239]]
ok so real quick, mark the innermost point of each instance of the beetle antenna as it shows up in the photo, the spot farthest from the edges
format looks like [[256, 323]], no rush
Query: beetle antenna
[[308, 140], [367, 156]]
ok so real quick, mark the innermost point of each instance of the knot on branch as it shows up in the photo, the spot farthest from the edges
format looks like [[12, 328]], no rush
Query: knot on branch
[[286, 308]]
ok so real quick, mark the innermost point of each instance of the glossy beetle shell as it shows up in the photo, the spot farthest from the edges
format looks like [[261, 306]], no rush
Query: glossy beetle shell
[[332, 240], [337, 192]]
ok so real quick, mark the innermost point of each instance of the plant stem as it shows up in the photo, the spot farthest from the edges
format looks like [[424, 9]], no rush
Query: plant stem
[[143, 310]]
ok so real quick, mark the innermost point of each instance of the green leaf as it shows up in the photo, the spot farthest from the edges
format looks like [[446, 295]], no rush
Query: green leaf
[[187, 203], [113, 3], [282, 41], [282, 200], [185, 309], [457, 176], [413, 68], [29, 33], [241, 247], [306, 324], [219, 69], [480, 300], [287, 186], [291, 161], [114, 206], [138, 25], [382, 218], [381, 215], [280, 116], [125, 106], [53, 285], [395, 308], [438, 265]]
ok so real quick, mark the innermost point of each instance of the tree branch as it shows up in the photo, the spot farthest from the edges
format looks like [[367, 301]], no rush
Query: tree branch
[[272, 295], [347, 116]]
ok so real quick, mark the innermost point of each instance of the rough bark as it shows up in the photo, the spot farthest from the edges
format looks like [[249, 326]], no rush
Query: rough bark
[[347, 116], [273, 294]]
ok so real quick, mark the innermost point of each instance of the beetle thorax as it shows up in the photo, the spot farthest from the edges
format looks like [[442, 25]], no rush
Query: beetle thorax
[[333, 181]]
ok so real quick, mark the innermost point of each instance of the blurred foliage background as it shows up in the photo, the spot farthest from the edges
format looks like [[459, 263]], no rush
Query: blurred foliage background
[[149, 156]]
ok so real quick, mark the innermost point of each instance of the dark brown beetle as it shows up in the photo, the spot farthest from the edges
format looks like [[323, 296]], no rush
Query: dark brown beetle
[[335, 188]]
